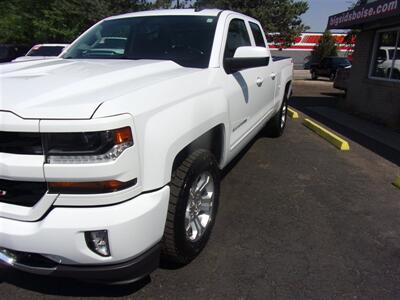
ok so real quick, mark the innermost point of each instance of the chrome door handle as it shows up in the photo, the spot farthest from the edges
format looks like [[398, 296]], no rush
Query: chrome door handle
[[260, 81], [273, 76]]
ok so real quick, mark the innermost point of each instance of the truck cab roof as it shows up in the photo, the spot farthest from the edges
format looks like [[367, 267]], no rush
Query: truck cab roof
[[170, 12]]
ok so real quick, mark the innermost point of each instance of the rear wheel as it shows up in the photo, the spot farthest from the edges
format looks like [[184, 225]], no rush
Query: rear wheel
[[395, 74], [314, 75], [276, 126], [192, 208]]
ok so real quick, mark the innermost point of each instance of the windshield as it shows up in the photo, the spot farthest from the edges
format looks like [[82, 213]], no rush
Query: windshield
[[45, 51], [186, 40]]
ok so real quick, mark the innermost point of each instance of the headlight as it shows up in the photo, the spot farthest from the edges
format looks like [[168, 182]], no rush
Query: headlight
[[86, 147]]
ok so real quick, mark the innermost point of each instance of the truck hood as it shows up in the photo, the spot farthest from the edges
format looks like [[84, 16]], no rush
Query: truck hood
[[29, 58], [74, 89]]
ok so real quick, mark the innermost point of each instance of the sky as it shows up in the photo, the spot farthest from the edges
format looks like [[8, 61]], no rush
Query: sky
[[320, 10]]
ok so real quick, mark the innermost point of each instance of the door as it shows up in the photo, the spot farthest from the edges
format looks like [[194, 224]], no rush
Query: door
[[246, 90], [267, 78]]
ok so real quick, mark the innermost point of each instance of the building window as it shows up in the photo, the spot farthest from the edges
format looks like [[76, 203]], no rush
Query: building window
[[386, 60]]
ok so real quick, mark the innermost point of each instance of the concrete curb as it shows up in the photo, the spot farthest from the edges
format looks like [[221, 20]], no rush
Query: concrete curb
[[396, 182], [292, 113], [332, 138]]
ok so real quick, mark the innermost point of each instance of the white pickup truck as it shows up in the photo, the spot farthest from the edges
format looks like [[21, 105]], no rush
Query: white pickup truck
[[388, 63], [110, 155]]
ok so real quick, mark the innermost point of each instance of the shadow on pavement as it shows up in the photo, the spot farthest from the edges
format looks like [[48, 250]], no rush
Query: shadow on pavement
[[320, 79], [306, 105], [261, 135], [69, 287], [336, 95]]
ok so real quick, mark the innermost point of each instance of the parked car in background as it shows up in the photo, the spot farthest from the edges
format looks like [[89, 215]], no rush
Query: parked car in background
[[342, 79], [111, 157], [9, 52], [328, 67], [385, 57], [307, 65], [43, 51]]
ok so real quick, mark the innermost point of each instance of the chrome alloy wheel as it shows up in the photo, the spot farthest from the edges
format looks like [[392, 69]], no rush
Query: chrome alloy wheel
[[199, 207], [284, 115]]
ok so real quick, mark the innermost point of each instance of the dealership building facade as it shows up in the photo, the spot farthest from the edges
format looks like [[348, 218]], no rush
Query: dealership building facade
[[374, 86], [304, 45]]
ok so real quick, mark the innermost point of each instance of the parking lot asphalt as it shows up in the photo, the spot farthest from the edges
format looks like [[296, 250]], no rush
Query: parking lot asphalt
[[298, 219]]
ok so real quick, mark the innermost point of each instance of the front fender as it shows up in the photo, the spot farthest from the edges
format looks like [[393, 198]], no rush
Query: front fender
[[167, 132]]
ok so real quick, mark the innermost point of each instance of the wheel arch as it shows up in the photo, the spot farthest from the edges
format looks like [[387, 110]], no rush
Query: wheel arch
[[288, 89], [213, 140], [286, 93]]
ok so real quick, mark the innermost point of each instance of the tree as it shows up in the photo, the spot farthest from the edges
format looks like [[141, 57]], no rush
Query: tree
[[16, 20], [351, 37], [172, 4], [281, 17], [29, 22], [325, 47], [162, 4]]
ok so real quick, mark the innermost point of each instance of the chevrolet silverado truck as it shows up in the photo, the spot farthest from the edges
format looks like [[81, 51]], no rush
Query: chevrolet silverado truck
[[110, 155]]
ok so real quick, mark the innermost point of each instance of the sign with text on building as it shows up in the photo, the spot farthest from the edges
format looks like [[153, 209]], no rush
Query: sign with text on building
[[364, 14]]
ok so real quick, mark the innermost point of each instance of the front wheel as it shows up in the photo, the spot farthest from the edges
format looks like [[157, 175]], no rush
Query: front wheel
[[192, 208]]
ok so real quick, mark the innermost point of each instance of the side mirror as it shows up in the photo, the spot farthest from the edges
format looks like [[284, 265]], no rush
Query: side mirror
[[247, 58]]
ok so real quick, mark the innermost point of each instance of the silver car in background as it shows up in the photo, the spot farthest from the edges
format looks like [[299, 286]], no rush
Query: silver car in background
[[43, 51]]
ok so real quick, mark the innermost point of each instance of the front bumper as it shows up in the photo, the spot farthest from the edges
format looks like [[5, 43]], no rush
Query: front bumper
[[128, 271], [134, 227]]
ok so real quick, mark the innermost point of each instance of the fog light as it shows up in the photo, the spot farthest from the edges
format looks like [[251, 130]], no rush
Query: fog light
[[7, 256], [97, 241]]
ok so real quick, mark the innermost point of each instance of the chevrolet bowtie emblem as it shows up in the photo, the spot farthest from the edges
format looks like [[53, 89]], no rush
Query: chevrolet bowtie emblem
[[3, 193]]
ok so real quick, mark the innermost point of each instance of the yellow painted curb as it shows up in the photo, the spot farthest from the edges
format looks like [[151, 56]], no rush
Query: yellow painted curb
[[327, 135], [397, 182], [292, 113]]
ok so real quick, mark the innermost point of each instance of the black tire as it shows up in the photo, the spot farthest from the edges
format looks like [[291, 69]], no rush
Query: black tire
[[275, 127], [396, 74], [314, 75], [177, 248]]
